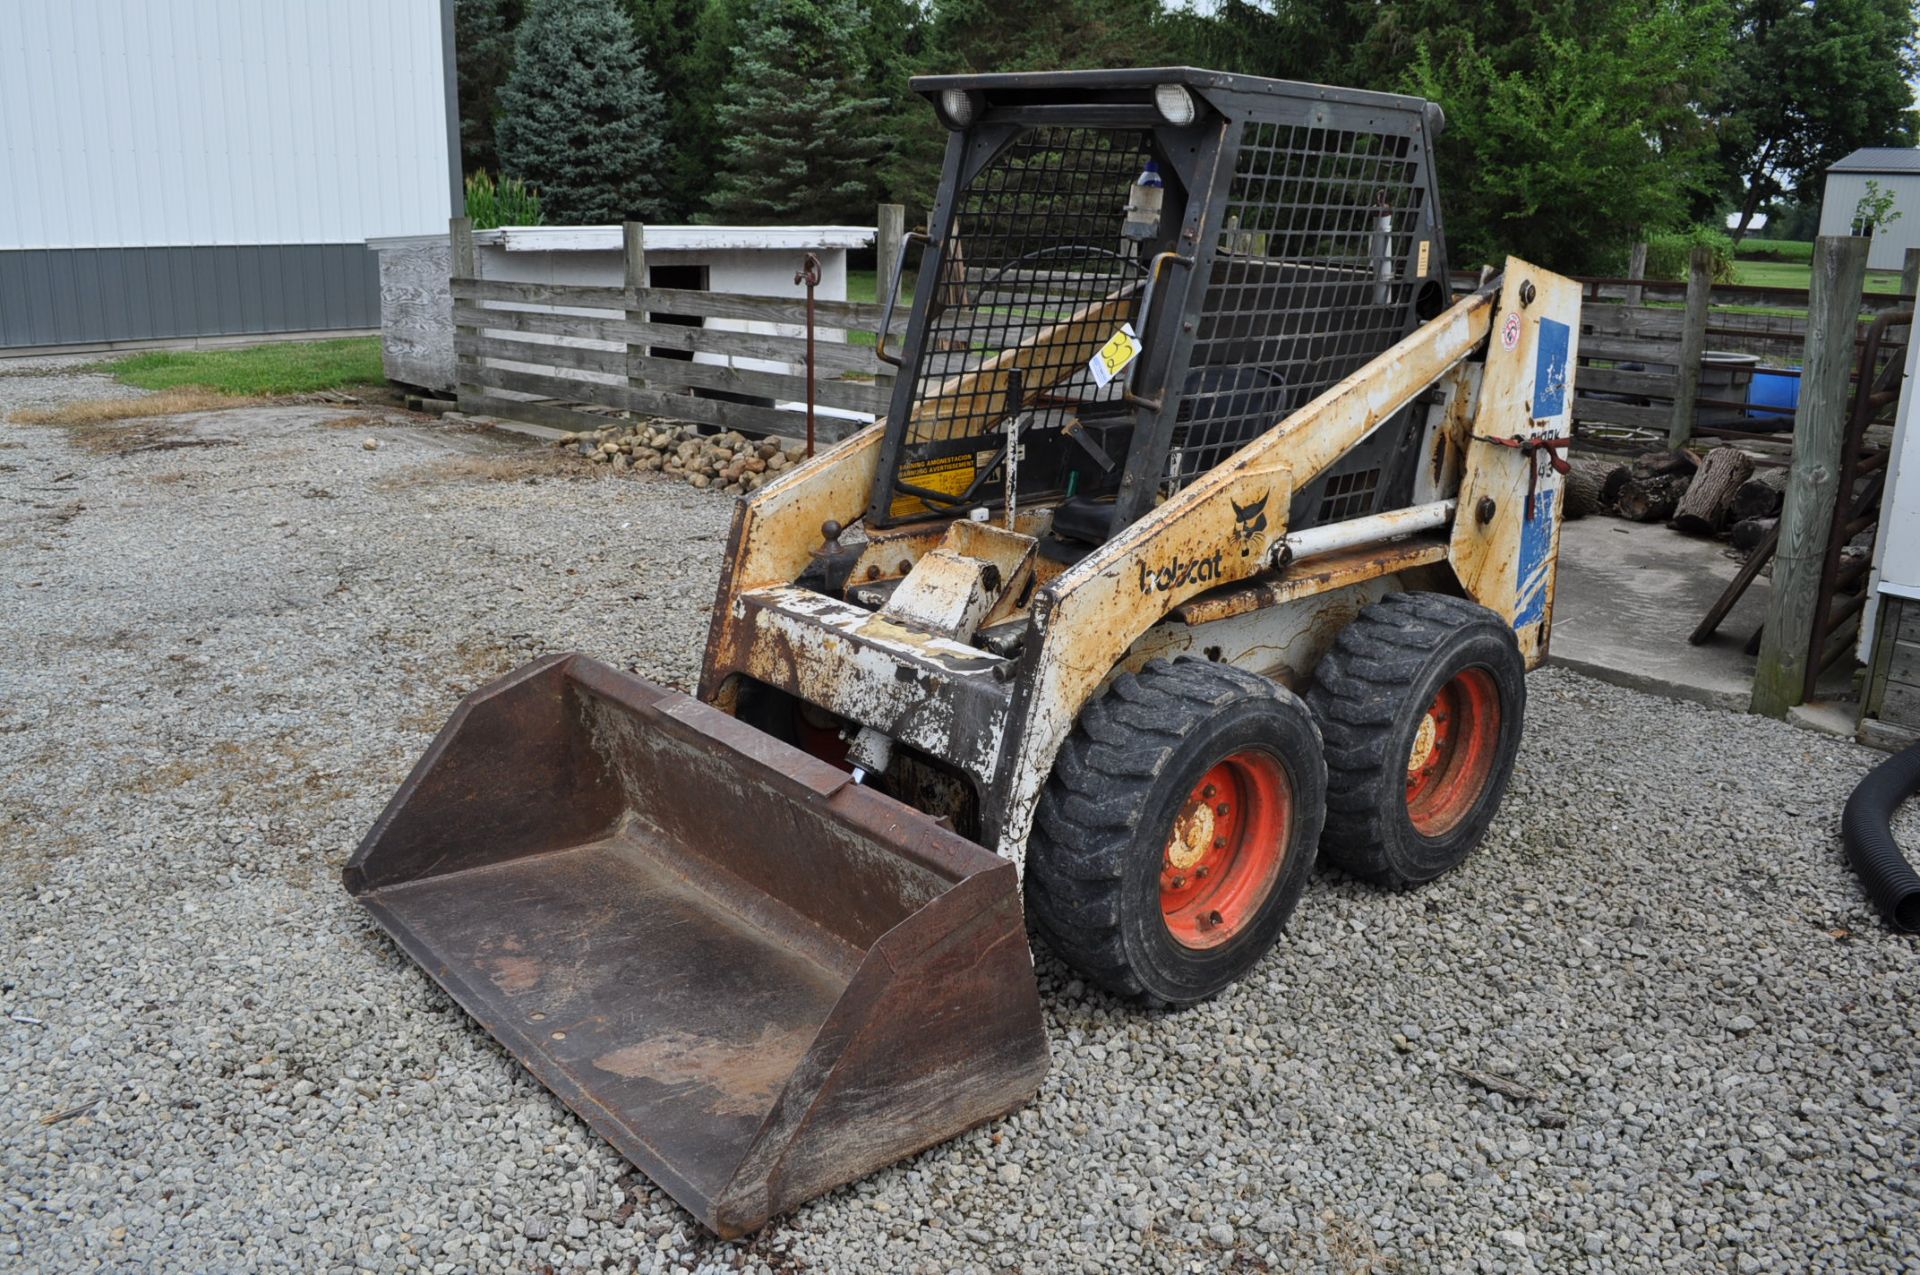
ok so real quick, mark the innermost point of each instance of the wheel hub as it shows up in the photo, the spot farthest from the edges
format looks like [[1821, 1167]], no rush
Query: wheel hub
[[1224, 851], [1453, 751]]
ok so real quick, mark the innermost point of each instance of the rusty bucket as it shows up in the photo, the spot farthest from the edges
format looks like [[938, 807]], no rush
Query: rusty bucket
[[754, 977]]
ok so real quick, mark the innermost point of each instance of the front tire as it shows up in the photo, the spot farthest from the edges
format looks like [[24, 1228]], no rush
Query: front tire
[[1177, 831], [1421, 702]]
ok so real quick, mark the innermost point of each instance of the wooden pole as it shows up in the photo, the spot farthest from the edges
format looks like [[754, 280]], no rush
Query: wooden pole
[[1693, 345], [1910, 274], [890, 230], [633, 253], [1819, 429], [463, 265], [1636, 269]]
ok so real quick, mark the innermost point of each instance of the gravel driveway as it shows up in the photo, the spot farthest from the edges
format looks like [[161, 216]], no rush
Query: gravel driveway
[[220, 660]]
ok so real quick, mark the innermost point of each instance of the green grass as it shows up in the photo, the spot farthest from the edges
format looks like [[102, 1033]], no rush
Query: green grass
[[1796, 271], [287, 367], [1787, 249], [864, 285]]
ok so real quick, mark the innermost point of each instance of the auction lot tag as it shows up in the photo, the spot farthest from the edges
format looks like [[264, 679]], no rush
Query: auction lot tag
[[1121, 349]]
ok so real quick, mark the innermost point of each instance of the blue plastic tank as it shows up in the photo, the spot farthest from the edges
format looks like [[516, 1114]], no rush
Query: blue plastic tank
[[1774, 393]]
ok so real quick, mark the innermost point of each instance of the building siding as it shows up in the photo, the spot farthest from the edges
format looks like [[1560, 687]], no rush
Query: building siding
[[89, 296], [1889, 248], [193, 168]]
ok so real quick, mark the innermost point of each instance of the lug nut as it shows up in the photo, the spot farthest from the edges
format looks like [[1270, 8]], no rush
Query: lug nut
[[1179, 883], [1208, 792], [1200, 873], [1219, 843], [1222, 808]]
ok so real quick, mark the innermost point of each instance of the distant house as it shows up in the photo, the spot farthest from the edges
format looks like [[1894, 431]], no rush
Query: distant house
[[214, 168], [1897, 170]]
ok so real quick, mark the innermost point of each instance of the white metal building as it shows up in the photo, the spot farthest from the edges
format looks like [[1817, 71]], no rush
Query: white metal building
[[190, 168], [1897, 170]]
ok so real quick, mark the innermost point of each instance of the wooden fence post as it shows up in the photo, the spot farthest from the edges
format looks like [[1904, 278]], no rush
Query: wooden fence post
[[1819, 429], [1910, 273], [1636, 269], [1693, 345], [890, 230], [462, 266], [633, 252]]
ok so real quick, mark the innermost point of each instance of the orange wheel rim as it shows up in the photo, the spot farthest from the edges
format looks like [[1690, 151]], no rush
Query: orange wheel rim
[[1224, 852], [1452, 754]]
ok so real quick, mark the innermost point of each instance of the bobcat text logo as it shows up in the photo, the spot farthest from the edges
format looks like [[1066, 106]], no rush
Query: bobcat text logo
[[1248, 522], [1181, 571]]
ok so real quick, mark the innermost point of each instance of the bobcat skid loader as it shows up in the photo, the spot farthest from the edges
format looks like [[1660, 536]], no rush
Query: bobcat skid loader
[[1207, 533]]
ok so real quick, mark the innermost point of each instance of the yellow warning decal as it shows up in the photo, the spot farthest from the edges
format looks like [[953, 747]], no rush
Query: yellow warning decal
[[949, 475], [1121, 349]]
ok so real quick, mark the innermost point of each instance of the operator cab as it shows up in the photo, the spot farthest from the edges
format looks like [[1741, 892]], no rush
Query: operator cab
[[1132, 274]]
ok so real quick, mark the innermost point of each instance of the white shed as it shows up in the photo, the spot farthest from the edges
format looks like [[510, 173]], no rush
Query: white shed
[[212, 168], [1897, 171]]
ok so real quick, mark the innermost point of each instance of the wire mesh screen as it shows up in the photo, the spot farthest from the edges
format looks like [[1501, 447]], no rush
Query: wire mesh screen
[[1308, 284], [1034, 256]]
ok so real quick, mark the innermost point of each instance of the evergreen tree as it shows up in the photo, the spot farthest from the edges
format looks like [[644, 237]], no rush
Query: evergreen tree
[[720, 28], [579, 117], [802, 134], [483, 54], [669, 31]]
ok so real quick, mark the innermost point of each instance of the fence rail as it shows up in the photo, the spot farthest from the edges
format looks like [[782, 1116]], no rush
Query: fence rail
[[1648, 374], [566, 355]]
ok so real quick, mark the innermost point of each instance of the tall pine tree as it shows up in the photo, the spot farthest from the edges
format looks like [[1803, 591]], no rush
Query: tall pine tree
[[802, 133], [483, 53], [579, 116], [669, 30]]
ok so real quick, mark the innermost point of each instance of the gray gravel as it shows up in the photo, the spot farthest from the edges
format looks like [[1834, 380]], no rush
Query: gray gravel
[[220, 661]]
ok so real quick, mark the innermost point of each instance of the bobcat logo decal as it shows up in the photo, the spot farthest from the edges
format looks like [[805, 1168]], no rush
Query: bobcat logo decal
[[1249, 524]]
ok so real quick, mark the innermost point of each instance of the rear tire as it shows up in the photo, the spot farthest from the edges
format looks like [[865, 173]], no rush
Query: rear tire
[[1177, 830], [1421, 702]]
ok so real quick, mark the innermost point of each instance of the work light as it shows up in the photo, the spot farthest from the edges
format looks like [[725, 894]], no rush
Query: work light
[[1175, 104], [957, 107]]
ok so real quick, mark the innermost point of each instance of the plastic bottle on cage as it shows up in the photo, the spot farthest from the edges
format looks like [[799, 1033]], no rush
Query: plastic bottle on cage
[[1142, 221]]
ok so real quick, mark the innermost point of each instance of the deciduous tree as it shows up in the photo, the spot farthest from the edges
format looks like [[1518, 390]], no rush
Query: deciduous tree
[[1812, 80], [1566, 149]]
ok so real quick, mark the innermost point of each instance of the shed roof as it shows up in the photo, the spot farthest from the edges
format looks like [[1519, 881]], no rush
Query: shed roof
[[1880, 159], [675, 238]]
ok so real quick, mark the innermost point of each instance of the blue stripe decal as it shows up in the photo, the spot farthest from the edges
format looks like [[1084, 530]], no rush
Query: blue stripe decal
[[1536, 560]]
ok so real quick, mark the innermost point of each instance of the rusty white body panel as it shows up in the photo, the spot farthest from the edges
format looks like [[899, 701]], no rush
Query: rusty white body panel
[[1198, 572], [1282, 643], [1504, 562]]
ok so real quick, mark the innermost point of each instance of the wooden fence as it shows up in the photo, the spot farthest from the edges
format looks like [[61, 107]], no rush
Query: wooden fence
[[1643, 343], [568, 355]]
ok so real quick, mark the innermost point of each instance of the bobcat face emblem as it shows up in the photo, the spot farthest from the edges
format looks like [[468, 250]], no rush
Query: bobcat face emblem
[[1249, 524]]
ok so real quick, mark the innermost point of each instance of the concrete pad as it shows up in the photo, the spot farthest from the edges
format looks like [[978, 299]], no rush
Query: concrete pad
[[1629, 593]]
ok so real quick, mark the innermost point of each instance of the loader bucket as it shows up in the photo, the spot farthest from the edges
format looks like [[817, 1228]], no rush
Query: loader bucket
[[755, 978]]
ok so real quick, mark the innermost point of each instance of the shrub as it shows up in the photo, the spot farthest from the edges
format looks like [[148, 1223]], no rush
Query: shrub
[[1668, 251], [508, 202]]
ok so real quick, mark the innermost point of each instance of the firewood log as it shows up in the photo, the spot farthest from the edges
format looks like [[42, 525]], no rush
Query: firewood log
[[1703, 510]]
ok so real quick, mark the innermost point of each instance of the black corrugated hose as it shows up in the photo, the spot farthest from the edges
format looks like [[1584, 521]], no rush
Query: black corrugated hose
[[1890, 880]]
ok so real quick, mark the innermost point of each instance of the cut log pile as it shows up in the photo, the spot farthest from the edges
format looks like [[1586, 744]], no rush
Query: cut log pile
[[1718, 492]]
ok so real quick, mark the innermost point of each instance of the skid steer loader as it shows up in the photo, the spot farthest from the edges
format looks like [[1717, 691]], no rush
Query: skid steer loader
[[1207, 532]]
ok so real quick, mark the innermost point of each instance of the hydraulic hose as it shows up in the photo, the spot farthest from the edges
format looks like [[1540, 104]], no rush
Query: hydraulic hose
[[1891, 882]]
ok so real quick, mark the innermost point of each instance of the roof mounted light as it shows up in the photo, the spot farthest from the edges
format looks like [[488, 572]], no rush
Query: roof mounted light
[[958, 107], [1175, 104]]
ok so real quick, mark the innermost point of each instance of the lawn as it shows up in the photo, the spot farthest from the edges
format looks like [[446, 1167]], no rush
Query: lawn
[[287, 367], [1797, 270]]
